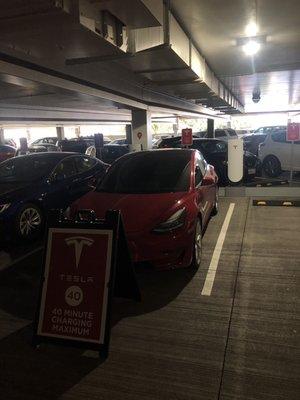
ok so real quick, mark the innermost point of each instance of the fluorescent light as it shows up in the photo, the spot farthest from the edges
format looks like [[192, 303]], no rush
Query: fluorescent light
[[251, 48], [251, 29]]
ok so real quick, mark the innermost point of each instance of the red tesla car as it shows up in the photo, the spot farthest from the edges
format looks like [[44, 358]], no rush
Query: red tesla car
[[166, 198]]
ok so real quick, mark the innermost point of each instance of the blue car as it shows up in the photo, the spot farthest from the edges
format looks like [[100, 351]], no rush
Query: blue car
[[33, 184]]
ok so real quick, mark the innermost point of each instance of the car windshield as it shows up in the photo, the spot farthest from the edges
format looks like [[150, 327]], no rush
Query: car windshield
[[151, 172], [231, 132], [26, 168], [211, 146]]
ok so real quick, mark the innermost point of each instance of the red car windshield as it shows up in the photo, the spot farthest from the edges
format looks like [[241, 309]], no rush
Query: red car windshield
[[149, 172]]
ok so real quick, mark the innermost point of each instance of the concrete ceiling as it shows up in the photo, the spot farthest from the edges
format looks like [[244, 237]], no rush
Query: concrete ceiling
[[215, 26]]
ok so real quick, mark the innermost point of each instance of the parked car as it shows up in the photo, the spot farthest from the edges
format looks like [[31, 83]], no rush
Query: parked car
[[6, 152], [175, 141], [49, 140], [31, 185], [39, 148], [79, 145], [252, 141], [76, 145], [222, 134], [47, 146], [118, 141], [269, 129], [215, 152], [276, 154], [166, 198], [171, 142], [242, 132], [109, 153]]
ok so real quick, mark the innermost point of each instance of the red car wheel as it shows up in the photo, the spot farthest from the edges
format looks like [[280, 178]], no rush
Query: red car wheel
[[197, 246]]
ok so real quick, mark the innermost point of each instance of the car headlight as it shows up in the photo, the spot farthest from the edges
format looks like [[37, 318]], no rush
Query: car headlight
[[174, 222], [4, 207]]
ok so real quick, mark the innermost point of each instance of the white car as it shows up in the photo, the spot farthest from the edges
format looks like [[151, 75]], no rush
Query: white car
[[277, 155]]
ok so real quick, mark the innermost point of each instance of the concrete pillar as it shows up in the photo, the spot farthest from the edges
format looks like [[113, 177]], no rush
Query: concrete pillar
[[28, 135], [60, 132], [77, 131], [210, 128], [23, 145], [1, 135], [141, 130], [129, 134]]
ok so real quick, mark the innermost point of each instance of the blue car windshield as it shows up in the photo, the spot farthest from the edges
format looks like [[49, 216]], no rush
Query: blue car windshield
[[26, 168]]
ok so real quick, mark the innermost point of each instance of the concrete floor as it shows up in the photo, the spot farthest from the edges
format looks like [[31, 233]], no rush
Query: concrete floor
[[239, 343]]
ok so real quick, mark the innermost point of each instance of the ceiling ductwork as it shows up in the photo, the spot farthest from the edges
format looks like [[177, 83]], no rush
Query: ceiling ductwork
[[142, 36], [167, 58], [163, 54]]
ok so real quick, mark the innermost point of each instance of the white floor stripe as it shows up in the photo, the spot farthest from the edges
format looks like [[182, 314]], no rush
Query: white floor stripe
[[212, 269], [7, 262]]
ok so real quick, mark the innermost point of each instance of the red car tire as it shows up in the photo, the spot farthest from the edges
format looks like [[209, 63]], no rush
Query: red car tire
[[197, 245]]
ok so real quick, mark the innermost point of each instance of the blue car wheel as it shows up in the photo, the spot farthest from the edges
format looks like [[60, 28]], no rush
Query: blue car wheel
[[29, 222]]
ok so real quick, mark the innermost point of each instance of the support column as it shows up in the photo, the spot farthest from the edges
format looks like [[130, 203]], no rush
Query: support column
[[77, 131], [210, 128], [60, 132], [176, 127], [129, 134], [28, 135], [1, 135], [141, 130]]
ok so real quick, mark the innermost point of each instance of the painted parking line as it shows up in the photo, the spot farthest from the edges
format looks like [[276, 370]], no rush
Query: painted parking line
[[6, 261], [213, 266]]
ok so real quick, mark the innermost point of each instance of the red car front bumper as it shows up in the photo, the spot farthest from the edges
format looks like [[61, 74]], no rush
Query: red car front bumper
[[167, 250]]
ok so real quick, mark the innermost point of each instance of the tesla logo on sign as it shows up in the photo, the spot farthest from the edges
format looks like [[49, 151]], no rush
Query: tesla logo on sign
[[78, 242]]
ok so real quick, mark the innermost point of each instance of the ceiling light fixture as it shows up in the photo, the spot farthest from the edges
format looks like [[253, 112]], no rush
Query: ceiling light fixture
[[251, 29], [251, 48]]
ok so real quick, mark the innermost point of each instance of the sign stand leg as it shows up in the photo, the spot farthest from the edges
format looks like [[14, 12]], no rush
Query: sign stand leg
[[292, 161]]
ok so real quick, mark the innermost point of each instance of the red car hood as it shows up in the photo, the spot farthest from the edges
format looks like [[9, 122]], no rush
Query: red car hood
[[139, 211]]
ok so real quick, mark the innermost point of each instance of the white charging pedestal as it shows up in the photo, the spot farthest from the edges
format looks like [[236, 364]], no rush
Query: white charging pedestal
[[235, 160]]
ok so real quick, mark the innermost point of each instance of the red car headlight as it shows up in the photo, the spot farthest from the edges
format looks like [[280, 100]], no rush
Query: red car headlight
[[176, 221]]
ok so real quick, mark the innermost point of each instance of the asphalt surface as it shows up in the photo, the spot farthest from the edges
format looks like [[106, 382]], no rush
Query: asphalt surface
[[228, 331]]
